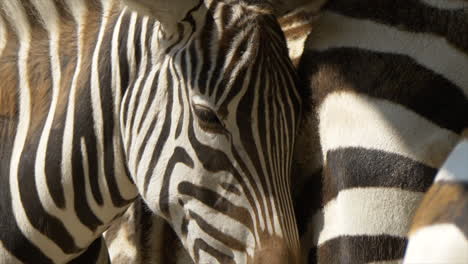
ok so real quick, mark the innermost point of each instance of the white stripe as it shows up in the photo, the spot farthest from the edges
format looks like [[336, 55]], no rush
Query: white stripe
[[126, 187], [443, 243], [446, 4], [296, 46], [431, 51], [22, 27], [455, 168], [97, 109], [131, 45], [366, 211], [3, 35], [356, 120]]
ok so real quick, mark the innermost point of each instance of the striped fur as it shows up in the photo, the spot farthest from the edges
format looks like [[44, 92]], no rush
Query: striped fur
[[387, 106], [390, 95], [146, 238], [99, 104]]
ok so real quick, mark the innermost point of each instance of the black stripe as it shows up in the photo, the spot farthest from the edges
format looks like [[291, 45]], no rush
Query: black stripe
[[143, 218], [214, 160], [225, 45], [11, 236], [217, 202], [83, 121], [105, 74], [144, 75], [461, 217], [409, 15], [151, 99], [123, 50], [219, 235], [307, 201], [396, 78], [219, 256], [244, 123], [165, 130], [205, 51], [358, 167], [29, 195], [359, 249], [92, 253], [230, 188], [149, 68], [179, 156], [137, 41]]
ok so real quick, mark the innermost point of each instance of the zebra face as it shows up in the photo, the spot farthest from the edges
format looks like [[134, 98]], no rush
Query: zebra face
[[208, 128]]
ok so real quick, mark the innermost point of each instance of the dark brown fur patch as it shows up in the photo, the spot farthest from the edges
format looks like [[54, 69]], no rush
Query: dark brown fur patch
[[464, 134], [273, 251]]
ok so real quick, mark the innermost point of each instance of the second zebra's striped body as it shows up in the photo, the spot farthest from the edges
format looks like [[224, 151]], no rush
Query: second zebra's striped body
[[389, 89]]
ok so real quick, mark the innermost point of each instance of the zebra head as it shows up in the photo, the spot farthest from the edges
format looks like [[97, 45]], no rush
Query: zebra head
[[208, 124]]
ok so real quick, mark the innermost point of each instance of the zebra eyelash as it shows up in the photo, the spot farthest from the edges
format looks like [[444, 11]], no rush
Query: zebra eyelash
[[208, 119]]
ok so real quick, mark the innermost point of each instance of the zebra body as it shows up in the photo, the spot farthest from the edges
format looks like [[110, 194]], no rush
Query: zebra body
[[196, 111], [389, 91]]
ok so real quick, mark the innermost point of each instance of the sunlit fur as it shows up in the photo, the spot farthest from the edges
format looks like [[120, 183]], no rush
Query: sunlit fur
[[98, 105]]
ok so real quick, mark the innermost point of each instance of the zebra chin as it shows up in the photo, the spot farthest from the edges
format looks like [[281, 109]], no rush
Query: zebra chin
[[206, 243], [215, 225]]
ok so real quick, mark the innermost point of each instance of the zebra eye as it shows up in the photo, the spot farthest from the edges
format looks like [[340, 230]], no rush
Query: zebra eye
[[208, 119]]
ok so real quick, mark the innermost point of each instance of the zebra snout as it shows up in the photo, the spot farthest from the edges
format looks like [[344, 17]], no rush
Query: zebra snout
[[275, 252]]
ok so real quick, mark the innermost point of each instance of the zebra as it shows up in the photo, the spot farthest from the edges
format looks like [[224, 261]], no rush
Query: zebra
[[388, 95], [439, 233], [193, 105], [141, 237]]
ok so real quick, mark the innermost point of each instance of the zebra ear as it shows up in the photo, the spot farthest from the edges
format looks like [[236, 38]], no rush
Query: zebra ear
[[167, 12]]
